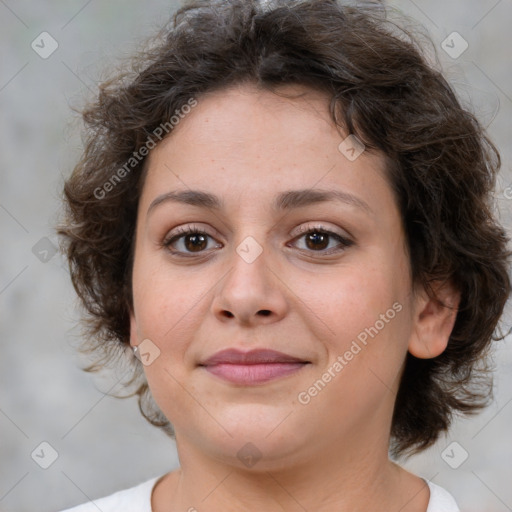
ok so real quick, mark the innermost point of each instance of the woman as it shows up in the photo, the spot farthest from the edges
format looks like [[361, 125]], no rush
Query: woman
[[283, 212]]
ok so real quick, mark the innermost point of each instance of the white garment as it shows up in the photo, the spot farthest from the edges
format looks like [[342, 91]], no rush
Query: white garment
[[138, 499], [440, 499]]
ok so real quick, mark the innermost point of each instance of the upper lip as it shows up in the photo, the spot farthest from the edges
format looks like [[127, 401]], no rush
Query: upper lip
[[256, 356]]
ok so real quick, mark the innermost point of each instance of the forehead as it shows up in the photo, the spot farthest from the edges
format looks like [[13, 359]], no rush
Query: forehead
[[241, 116], [247, 140]]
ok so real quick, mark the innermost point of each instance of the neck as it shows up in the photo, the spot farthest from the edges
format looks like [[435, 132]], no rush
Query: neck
[[334, 477]]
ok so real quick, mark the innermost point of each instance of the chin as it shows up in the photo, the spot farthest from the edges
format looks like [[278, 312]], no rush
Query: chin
[[269, 435]]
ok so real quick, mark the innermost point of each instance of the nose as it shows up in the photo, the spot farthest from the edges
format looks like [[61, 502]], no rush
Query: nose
[[251, 292]]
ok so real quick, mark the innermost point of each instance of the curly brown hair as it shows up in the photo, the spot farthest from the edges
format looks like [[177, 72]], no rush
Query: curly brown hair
[[441, 165]]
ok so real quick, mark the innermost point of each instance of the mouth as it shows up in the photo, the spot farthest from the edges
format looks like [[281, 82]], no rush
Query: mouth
[[254, 367]]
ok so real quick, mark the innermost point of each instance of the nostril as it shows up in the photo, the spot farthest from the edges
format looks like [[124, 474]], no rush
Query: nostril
[[264, 312]]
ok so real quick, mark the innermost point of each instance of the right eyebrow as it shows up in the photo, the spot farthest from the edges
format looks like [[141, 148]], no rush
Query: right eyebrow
[[192, 197]]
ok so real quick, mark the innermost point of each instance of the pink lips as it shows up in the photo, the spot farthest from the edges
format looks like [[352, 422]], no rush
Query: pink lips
[[254, 367]]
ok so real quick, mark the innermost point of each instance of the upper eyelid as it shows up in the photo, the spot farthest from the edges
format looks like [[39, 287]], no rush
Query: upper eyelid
[[319, 227]]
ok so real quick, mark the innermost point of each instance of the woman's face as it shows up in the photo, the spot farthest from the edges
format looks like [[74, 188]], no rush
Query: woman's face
[[265, 275]]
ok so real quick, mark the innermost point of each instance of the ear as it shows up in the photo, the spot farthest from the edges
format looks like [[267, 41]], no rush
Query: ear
[[433, 323]]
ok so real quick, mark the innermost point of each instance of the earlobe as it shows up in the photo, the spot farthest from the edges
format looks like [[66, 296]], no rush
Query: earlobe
[[433, 322]]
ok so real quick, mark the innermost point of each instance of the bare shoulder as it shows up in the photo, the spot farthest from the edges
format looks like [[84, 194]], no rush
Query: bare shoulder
[[414, 491], [163, 491]]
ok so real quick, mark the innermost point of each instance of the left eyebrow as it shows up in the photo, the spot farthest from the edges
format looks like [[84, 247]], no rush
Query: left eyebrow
[[290, 199], [305, 197]]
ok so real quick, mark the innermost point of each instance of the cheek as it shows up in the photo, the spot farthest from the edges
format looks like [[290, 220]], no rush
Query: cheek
[[166, 315], [370, 323], [163, 300], [361, 314], [352, 300]]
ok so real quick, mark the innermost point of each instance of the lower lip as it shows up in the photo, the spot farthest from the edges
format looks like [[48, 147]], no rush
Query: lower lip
[[253, 373]]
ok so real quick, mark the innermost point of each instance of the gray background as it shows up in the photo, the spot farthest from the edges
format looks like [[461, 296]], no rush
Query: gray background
[[104, 444]]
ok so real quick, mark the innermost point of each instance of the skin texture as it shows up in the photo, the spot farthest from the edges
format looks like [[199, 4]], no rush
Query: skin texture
[[246, 146]]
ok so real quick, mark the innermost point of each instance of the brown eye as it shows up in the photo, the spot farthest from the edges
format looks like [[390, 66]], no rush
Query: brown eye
[[316, 240], [188, 241], [321, 241], [195, 243]]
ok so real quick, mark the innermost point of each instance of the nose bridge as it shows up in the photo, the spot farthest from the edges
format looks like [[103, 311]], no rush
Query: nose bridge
[[249, 262], [250, 290], [249, 249]]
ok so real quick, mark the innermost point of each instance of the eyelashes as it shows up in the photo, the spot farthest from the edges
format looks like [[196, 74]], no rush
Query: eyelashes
[[199, 235], [194, 241], [323, 235]]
